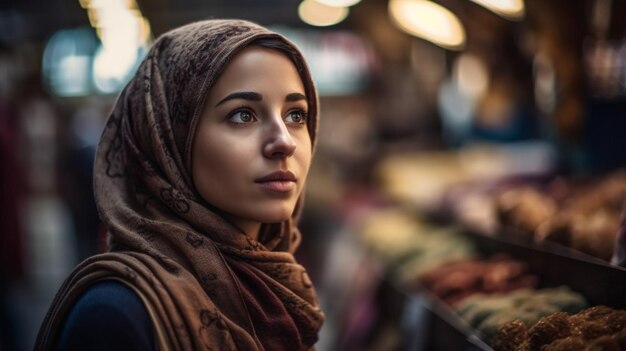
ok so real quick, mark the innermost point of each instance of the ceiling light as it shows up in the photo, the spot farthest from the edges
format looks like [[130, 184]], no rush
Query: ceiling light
[[428, 20], [317, 14], [339, 3], [511, 9]]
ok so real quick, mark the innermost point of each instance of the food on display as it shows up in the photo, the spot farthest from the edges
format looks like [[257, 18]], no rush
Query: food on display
[[595, 328]]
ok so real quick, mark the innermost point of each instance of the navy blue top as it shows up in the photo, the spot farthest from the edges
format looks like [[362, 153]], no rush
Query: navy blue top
[[107, 316]]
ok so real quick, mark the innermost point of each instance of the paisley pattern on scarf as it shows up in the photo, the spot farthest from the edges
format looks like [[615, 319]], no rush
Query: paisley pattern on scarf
[[208, 285]]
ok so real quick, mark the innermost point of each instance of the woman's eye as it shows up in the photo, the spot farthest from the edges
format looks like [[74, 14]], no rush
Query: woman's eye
[[241, 117], [297, 116]]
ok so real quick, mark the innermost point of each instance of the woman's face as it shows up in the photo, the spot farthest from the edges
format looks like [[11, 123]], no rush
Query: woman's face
[[252, 149]]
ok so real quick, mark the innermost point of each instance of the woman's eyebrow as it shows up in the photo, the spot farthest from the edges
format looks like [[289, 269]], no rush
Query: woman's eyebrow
[[246, 95], [252, 96], [294, 97]]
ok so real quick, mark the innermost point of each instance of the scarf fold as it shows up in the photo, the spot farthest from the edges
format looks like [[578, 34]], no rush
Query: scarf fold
[[208, 285]]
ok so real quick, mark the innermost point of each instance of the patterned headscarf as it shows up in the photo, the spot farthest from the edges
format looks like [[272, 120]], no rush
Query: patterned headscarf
[[205, 284]]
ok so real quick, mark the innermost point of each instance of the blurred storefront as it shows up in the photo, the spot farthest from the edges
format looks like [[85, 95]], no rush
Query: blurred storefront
[[471, 153]]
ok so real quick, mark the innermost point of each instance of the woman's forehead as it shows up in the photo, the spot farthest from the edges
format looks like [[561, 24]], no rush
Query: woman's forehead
[[259, 69]]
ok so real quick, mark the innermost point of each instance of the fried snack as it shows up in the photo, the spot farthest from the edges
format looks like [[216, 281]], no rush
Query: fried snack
[[620, 338], [550, 328], [603, 343], [489, 327], [616, 321], [607, 193], [511, 336], [595, 312], [583, 216], [524, 209], [595, 233], [556, 229], [486, 314], [567, 344], [594, 329], [598, 328], [589, 219]]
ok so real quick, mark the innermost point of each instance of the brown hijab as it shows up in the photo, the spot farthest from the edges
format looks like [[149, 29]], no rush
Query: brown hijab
[[205, 284]]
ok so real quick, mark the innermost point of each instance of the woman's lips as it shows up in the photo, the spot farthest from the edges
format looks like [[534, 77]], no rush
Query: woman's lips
[[280, 186], [280, 181], [278, 175]]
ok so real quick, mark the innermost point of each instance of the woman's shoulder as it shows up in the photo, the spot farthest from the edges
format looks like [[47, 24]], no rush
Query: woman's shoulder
[[107, 315]]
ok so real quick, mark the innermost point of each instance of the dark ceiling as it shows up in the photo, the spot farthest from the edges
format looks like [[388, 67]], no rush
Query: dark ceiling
[[167, 14], [31, 20], [37, 20]]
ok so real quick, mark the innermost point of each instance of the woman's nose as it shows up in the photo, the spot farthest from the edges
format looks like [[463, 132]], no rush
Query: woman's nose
[[279, 142]]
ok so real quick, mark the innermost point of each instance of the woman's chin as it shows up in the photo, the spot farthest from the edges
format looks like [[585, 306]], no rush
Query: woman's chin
[[276, 216]]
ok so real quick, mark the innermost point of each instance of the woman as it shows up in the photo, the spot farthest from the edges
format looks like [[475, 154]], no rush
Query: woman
[[198, 177]]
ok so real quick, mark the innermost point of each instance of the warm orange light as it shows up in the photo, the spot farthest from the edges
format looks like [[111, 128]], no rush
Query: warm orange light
[[339, 3], [511, 9], [320, 15], [428, 20], [108, 16]]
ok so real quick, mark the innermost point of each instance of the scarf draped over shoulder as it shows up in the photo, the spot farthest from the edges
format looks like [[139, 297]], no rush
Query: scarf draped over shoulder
[[205, 284]]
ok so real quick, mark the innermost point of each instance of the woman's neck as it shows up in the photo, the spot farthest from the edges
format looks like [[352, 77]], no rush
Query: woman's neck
[[250, 228]]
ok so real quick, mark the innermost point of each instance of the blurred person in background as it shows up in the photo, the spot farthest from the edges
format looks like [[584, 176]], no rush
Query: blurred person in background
[[198, 178]]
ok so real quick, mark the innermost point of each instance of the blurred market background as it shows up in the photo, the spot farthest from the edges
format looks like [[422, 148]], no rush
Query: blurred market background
[[418, 97]]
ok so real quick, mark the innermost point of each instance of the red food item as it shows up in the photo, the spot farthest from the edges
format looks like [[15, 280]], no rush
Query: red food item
[[456, 281]]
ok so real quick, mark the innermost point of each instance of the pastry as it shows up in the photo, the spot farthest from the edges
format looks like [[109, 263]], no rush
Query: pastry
[[550, 328], [593, 329], [511, 336], [566, 344]]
